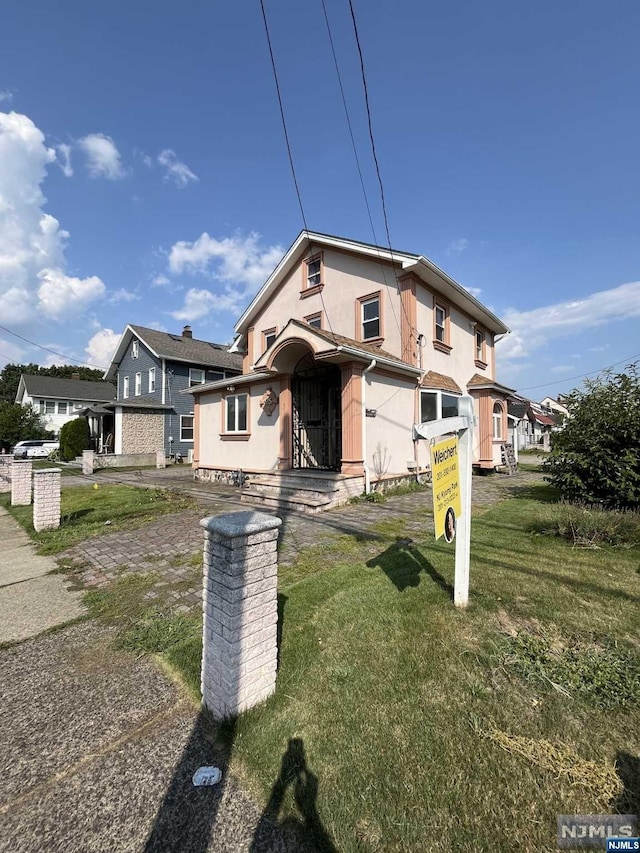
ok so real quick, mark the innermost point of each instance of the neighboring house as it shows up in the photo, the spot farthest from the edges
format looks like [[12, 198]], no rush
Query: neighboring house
[[59, 400], [150, 368], [345, 347], [534, 424], [555, 407]]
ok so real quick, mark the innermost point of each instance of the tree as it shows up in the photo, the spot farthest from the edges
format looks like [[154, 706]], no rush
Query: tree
[[19, 423], [74, 438], [596, 456], [10, 376]]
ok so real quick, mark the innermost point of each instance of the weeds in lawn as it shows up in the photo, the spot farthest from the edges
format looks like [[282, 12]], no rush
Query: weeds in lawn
[[598, 670], [158, 631], [589, 525]]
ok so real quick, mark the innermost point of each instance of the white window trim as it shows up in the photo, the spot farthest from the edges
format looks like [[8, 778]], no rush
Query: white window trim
[[125, 387], [371, 319], [193, 427], [442, 326], [192, 381], [235, 430], [438, 392], [152, 380], [138, 384], [497, 418], [135, 349]]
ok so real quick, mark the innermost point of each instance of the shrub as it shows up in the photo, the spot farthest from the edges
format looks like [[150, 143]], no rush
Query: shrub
[[74, 438], [589, 525], [595, 458]]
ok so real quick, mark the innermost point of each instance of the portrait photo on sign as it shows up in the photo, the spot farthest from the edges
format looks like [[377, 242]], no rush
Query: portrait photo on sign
[[450, 525]]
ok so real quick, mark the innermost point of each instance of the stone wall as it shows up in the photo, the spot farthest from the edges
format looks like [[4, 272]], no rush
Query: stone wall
[[142, 431], [5, 472], [21, 483]]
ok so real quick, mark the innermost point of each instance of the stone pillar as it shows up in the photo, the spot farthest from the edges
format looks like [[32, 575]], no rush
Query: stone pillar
[[352, 415], [240, 618], [21, 482], [161, 459], [46, 499], [5, 473], [88, 461]]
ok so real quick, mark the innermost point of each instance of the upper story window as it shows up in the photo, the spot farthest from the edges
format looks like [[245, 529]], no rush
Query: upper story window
[[50, 407], [481, 348], [441, 327], [214, 375], [497, 420], [268, 337], [125, 387], [186, 427], [370, 318], [152, 380], [236, 420], [63, 408], [315, 320], [138, 384], [196, 376], [314, 271], [134, 349]]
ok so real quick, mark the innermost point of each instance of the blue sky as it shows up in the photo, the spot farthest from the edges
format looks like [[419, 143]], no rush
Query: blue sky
[[144, 177]]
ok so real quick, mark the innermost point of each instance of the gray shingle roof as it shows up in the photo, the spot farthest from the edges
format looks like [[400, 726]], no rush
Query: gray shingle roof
[[191, 350], [55, 387]]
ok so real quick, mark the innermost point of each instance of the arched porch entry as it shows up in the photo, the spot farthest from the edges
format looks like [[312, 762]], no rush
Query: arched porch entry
[[316, 415]]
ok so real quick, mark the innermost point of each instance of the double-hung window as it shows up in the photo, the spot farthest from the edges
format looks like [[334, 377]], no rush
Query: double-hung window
[[237, 412], [138, 384], [152, 380], [440, 321], [196, 376], [497, 421], [50, 407], [134, 349], [63, 408], [186, 427], [370, 318], [125, 387], [315, 320], [314, 271], [480, 346], [268, 337]]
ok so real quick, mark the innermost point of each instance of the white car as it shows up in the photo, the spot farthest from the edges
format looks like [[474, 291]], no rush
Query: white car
[[34, 449]]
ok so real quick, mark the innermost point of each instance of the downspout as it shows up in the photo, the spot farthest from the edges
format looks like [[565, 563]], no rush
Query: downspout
[[367, 474]]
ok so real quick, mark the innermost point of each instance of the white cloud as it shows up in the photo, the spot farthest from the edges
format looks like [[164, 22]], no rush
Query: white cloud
[[64, 296], [123, 295], [64, 161], [103, 158], [160, 281], [6, 96], [531, 330], [101, 347], [33, 279], [474, 291], [241, 263], [457, 246], [175, 170]]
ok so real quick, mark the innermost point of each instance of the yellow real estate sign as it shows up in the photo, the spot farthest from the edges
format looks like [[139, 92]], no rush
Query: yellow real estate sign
[[445, 476]]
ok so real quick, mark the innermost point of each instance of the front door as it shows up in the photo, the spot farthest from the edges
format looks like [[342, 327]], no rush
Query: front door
[[316, 415]]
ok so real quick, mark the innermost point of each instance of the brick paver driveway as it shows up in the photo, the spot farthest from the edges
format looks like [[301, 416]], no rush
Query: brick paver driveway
[[171, 547]]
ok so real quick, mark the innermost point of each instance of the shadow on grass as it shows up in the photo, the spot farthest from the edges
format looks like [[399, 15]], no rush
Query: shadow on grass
[[72, 517], [305, 830], [402, 563], [541, 492], [628, 769]]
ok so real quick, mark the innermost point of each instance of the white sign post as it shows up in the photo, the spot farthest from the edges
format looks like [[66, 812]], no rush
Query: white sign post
[[463, 426]]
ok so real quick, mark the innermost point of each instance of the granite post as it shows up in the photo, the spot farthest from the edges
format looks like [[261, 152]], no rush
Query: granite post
[[88, 461], [161, 459], [21, 482], [240, 611], [46, 499]]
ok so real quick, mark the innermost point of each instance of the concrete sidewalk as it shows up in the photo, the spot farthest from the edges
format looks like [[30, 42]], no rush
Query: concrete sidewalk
[[31, 599]]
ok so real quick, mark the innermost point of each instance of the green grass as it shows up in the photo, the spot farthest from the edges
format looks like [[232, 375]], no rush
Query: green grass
[[92, 511], [426, 728]]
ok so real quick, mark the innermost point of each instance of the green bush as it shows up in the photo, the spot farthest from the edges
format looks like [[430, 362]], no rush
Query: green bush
[[595, 458], [589, 525], [74, 438]]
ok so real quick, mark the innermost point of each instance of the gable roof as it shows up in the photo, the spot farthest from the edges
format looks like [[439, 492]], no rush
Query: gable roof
[[175, 348], [59, 388], [419, 265]]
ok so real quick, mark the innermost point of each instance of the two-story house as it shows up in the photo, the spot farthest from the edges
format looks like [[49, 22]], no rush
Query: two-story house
[[58, 400], [345, 347], [150, 368]]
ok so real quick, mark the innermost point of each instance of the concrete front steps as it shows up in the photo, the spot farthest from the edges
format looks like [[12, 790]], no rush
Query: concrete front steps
[[305, 490]]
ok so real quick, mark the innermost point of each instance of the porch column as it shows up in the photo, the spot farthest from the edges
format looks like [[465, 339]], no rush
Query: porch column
[[352, 414], [284, 403], [485, 443]]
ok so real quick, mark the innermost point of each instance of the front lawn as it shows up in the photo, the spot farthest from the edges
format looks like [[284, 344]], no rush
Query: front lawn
[[403, 724], [87, 511]]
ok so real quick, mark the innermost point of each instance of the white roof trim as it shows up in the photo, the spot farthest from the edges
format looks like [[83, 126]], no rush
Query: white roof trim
[[116, 358]]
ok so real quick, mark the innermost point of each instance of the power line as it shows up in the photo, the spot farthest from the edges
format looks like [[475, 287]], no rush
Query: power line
[[582, 375], [53, 352]]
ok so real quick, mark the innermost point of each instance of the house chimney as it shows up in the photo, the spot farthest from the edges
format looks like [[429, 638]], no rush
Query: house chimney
[[75, 376], [186, 332]]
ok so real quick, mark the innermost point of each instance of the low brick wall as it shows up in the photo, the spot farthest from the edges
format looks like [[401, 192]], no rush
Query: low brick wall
[[95, 461], [21, 482], [5, 473], [46, 499]]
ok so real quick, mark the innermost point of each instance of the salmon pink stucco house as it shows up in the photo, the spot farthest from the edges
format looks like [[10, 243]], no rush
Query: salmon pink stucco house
[[345, 347]]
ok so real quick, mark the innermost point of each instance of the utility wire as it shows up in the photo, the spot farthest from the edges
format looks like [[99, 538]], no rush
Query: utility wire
[[627, 360], [53, 352]]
